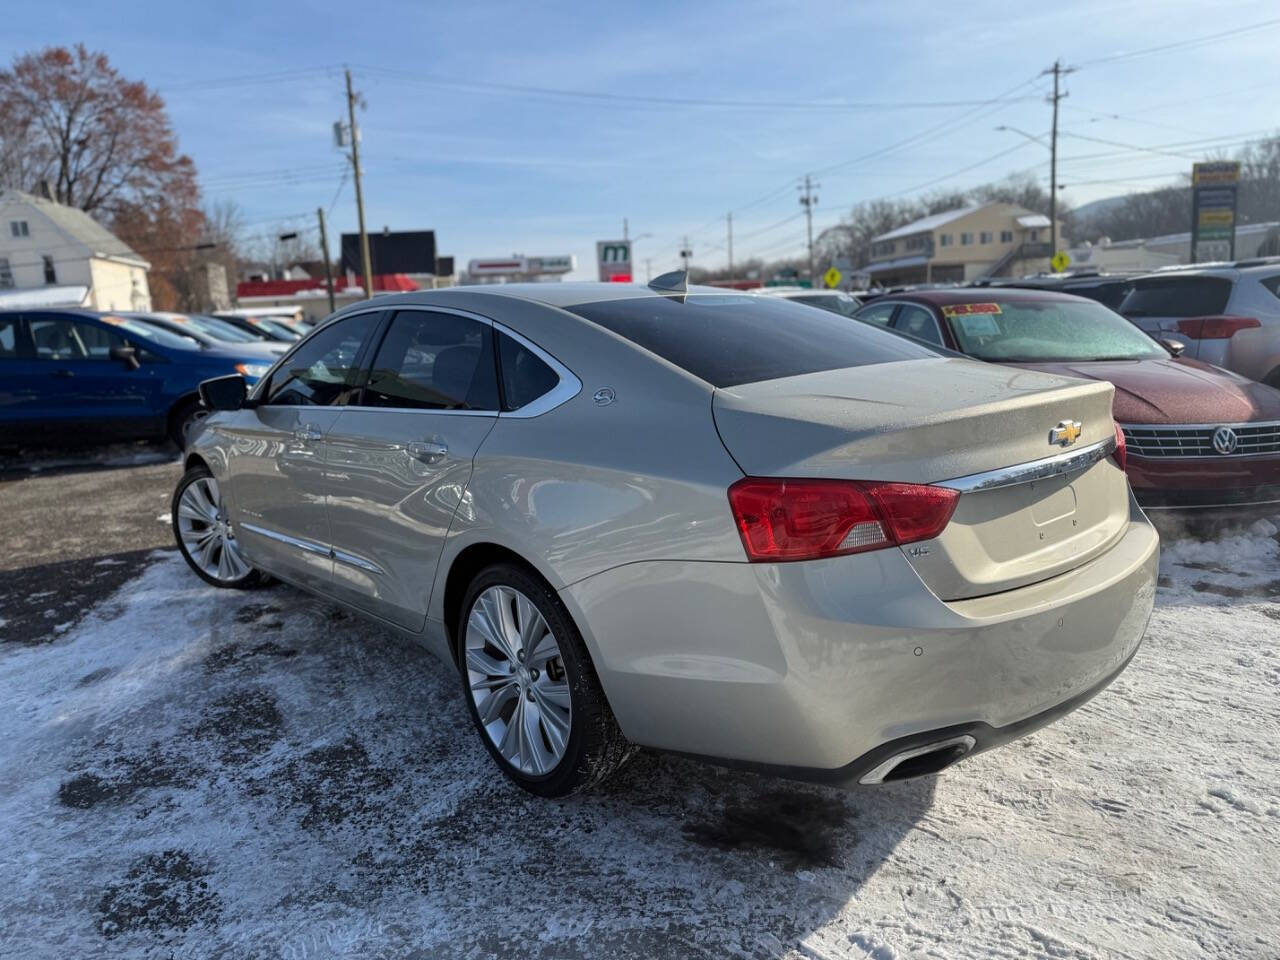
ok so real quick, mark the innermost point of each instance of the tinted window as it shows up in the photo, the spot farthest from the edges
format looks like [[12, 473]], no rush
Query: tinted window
[[434, 361], [525, 377], [322, 370], [878, 313], [1272, 284], [9, 337], [1047, 330], [1109, 294], [919, 323], [62, 338], [1177, 297], [835, 302], [220, 330], [727, 340]]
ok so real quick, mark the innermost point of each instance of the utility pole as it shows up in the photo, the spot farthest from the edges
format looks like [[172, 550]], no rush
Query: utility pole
[[355, 172], [808, 201], [729, 217], [686, 254], [324, 252], [625, 229], [1058, 71], [648, 269]]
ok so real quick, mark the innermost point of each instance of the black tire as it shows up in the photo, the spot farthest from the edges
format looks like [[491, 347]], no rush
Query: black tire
[[251, 579], [182, 418], [596, 747]]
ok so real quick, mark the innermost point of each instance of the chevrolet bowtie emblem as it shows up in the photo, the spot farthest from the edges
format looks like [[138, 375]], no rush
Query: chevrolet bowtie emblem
[[1065, 433]]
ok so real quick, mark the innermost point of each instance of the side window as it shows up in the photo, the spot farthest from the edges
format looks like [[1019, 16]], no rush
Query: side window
[[62, 338], [919, 323], [434, 361], [878, 313], [9, 337], [525, 376], [1272, 284], [322, 370]]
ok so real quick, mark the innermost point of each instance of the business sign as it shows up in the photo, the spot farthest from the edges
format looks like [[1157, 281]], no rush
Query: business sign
[[522, 266], [613, 258], [1214, 188]]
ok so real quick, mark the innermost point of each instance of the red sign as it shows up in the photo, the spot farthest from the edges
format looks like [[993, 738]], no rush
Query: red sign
[[620, 278]]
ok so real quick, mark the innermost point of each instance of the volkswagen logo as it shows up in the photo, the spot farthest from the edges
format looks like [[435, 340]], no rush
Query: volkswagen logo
[[1225, 440]]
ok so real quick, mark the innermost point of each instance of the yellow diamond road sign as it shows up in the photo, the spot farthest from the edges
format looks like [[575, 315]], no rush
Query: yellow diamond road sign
[[833, 277], [1060, 261]]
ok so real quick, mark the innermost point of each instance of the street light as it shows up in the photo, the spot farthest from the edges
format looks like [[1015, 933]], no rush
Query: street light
[[1029, 136]]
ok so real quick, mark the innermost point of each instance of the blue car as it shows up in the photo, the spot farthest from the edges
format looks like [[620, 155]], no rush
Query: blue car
[[74, 377]]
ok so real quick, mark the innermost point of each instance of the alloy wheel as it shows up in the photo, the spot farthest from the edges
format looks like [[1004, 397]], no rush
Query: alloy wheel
[[206, 532], [517, 680]]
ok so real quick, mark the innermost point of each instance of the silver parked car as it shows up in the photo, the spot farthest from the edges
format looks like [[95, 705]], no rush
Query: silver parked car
[[1227, 314], [706, 522]]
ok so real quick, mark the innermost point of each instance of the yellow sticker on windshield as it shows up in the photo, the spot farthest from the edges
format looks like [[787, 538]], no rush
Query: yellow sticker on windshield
[[969, 309], [110, 319]]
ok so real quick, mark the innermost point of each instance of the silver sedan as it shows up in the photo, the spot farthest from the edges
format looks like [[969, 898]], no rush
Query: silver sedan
[[723, 525]]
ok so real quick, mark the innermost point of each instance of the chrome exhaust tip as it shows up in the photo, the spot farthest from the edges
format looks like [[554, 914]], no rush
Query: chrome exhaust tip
[[920, 761]]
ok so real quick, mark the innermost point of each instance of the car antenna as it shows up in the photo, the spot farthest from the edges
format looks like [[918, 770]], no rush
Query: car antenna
[[677, 281]]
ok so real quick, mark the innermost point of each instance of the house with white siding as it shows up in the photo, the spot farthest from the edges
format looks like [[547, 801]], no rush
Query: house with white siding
[[53, 255]]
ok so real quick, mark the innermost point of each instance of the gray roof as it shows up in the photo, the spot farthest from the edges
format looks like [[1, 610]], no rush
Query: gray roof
[[928, 223], [78, 225]]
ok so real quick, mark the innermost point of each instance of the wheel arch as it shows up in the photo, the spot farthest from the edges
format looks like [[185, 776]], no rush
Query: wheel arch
[[468, 562]]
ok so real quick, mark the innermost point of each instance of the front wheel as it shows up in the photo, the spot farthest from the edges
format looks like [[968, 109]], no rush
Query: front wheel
[[205, 535], [531, 688]]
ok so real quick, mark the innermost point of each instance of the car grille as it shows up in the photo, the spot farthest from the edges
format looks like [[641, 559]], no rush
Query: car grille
[[1197, 441]]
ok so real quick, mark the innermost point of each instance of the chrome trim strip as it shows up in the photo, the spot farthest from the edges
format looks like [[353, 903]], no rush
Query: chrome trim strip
[[304, 545], [1035, 470], [1214, 425], [351, 560], [877, 773]]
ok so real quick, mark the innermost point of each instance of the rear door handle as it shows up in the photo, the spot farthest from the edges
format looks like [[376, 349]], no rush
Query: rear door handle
[[428, 451], [306, 433]]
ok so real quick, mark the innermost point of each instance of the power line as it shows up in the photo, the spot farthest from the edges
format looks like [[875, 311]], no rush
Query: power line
[[1179, 44], [645, 100]]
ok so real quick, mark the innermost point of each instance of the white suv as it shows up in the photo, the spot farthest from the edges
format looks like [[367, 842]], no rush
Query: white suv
[[1227, 314]]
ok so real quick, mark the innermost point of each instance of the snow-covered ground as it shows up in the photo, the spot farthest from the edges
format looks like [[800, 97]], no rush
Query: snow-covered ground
[[193, 773]]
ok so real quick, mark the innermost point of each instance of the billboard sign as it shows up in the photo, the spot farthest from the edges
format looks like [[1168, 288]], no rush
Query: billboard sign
[[613, 258], [1214, 188], [522, 266]]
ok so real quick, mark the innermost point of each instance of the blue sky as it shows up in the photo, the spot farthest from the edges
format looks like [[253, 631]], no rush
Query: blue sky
[[253, 90]]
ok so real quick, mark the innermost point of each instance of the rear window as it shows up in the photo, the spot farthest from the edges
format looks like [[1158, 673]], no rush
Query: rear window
[[728, 340], [1177, 297], [1272, 284]]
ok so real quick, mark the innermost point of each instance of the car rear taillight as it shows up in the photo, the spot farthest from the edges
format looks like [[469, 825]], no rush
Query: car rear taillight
[[1121, 452], [1215, 328], [807, 519]]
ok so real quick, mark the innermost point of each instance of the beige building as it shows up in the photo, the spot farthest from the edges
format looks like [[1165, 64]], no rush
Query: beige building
[[53, 255], [986, 240]]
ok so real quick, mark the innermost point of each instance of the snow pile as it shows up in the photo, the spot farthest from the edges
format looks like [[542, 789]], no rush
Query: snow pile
[[197, 773]]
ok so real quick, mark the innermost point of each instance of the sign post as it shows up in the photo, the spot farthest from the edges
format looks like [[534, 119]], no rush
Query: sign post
[[1214, 189], [613, 258]]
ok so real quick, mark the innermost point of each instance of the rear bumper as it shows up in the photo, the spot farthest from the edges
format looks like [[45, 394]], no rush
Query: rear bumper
[[1204, 482], [821, 670]]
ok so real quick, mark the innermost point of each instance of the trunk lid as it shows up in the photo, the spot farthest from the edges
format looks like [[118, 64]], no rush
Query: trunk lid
[[932, 421]]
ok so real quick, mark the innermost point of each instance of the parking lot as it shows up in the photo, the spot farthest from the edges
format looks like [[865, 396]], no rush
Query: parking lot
[[189, 772]]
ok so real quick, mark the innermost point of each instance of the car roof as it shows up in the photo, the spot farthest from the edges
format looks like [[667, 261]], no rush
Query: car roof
[[561, 295], [985, 295]]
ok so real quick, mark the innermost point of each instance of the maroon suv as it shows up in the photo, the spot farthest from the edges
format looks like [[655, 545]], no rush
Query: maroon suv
[[1197, 435]]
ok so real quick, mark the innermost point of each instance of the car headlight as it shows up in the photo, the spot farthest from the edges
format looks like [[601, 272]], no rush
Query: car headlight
[[253, 370]]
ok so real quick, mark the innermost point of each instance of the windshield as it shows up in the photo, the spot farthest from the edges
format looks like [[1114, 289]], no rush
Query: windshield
[[1047, 330], [158, 335], [221, 330], [273, 327], [728, 340], [1194, 296]]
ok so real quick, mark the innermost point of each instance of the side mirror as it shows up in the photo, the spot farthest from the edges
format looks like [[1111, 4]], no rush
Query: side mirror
[[126, 355], [224, 393], [1175, 347]]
